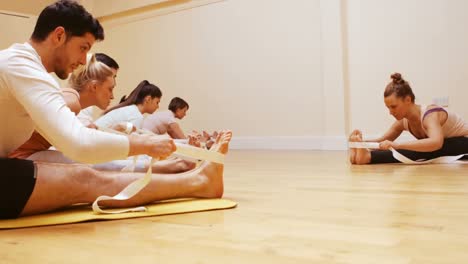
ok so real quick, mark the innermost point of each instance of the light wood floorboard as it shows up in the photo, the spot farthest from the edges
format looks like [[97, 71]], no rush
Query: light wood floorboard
[[294, 207]]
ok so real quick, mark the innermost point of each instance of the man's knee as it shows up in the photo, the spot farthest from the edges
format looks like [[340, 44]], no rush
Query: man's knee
[[85, 176]]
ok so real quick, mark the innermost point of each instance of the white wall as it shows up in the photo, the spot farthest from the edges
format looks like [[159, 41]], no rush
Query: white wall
[[15, 28], [333, 74], [423, 40], [250, 66]]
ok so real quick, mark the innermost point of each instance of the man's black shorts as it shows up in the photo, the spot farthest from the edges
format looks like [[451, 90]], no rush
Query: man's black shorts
[[17, 180]]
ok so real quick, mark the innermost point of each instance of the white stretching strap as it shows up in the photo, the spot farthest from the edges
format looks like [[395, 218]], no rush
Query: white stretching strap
[[371, 145], [135, 187], [185, 151], [128, 192]]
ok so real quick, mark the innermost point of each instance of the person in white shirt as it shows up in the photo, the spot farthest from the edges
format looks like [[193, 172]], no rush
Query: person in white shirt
[[91, 85], [31, 99], [143, 99]]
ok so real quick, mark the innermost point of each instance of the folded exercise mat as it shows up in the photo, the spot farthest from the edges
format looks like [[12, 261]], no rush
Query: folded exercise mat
[[82, 213]]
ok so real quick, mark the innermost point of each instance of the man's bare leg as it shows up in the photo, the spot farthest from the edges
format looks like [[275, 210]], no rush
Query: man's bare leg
[[172, 165], [176, 165], [61, 185], [358, 155]]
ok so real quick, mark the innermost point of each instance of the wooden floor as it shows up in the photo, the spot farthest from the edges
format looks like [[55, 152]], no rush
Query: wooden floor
[[294, 207]]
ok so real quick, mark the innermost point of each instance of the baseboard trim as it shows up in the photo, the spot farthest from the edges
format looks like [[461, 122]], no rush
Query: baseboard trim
[[290, 143], [299, 143]]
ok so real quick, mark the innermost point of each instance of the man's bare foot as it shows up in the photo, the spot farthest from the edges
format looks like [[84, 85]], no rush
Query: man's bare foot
[[212, 173], [358, 155]]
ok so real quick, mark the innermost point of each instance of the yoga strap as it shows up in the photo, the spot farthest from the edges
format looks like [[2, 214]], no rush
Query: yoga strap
[[183, 151], [135, 187], [371, 145], [128, 192], [401, 158]]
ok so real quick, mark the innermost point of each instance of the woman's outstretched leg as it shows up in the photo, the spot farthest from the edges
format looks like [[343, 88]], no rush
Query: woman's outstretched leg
[[358, 155]]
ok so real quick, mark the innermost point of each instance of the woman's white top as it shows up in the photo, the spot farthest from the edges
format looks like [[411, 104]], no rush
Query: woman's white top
[[130, 114]]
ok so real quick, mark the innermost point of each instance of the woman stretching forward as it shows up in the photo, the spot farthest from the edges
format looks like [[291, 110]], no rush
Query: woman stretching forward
[[438, 131]]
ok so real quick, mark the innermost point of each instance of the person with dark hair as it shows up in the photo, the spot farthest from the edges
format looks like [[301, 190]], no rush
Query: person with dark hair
[[143, 99], [69, 15], [163, 122], [179, 107], [31, 99], [72, 27], [107, 60], [438, 131]]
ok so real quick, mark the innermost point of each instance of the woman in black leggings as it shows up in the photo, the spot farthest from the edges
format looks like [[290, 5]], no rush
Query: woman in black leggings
[[438, 132]]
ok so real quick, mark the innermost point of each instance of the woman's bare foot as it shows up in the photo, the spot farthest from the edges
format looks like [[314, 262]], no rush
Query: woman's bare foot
[[211, 139], [194, 141], [170, 166], [205, 136], [352, 151], [358, 155], [202, 140], [208, 139], [211, 173]]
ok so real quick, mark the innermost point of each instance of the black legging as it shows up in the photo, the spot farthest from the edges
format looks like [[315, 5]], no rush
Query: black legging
[[452, 147]]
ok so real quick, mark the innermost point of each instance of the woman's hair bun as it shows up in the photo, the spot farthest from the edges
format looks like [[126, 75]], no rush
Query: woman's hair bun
[[396, 78]]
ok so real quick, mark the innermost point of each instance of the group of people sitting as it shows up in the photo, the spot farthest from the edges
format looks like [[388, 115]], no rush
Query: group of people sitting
[[84, 162], [89, 154], [93, 85]]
